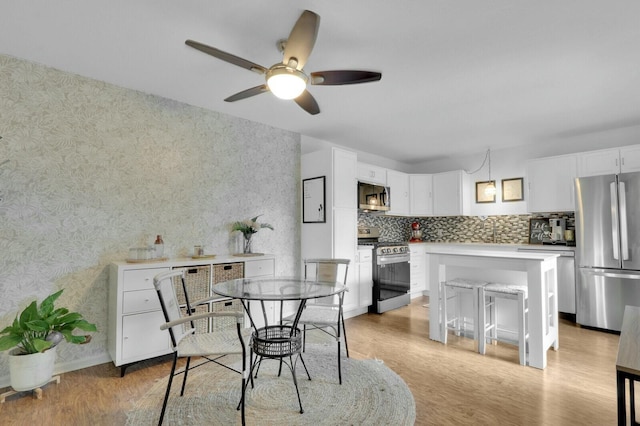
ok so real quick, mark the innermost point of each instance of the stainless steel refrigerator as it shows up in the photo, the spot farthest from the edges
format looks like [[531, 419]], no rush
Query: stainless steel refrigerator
[[608, 248]]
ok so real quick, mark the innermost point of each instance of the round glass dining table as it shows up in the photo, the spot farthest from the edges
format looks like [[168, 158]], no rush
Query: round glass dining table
[[277, 341], [277, 289]]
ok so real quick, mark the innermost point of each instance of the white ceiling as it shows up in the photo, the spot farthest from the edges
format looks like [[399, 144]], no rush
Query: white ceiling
[[457, 76]]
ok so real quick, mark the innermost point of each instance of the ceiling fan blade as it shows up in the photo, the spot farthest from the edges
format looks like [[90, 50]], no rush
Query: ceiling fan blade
[[301, 39], [336, 78], [227, 57], [308, 103], [248, 93]]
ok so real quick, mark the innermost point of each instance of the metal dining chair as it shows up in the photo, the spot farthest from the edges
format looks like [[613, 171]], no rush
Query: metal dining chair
[[325, 314], [186, 343]]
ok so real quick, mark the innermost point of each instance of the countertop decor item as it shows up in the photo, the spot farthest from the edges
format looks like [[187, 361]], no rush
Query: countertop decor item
[[34, 333], [248, 228]]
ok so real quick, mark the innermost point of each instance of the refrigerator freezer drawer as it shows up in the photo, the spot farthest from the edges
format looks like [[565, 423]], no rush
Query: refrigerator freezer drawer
[[602, 295]]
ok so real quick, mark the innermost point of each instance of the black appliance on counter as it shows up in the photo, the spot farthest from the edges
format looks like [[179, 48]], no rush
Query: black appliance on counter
[[391, 271]]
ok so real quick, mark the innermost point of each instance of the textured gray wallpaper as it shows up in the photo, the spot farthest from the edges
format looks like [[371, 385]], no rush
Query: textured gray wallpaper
[[95, 169]]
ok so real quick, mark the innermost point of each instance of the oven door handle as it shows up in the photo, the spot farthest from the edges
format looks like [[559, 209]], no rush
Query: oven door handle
[[388, 260]]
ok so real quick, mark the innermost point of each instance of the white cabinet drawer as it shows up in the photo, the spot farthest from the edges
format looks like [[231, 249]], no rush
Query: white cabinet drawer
[[365, 256], [140, 301], [258, 268], [141, 279], [142, 337]]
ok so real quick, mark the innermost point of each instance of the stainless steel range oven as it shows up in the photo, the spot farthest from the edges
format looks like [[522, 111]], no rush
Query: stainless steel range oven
[[391, 280], [391, 272]]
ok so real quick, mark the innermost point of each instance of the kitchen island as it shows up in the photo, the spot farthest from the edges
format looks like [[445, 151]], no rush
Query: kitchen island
[[537, 270]]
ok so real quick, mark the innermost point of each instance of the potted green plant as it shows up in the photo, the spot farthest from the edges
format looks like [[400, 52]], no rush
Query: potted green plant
[[248, 228], [33, 337]]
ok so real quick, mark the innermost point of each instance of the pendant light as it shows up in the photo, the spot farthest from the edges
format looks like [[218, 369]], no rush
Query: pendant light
[[490, 189]]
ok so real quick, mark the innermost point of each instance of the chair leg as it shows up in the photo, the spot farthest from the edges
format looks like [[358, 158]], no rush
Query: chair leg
[[339, 365], [243, 388], [166, 394], [305, 366], [295, 382], [304, 337], [344, 333], [184, 379]]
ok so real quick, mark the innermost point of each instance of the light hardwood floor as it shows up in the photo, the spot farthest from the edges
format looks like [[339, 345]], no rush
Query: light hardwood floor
[[451, 384]]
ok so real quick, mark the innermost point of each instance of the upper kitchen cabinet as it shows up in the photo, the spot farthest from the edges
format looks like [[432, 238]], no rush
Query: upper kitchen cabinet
[[398, 184], [609, 161], [372, 174], [550, 183], [420, 195], [451, 195], [345, 193]]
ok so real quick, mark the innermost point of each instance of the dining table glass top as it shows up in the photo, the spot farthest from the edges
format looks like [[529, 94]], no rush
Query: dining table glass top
[[278, 288]]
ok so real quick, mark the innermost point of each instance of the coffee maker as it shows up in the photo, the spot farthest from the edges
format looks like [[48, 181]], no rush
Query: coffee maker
[[558, 226]]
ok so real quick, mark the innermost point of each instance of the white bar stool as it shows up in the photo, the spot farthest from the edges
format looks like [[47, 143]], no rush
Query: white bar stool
[[487, 299], [453, 289]]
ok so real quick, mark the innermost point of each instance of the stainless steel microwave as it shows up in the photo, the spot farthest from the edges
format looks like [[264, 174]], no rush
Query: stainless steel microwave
[[373, 197]]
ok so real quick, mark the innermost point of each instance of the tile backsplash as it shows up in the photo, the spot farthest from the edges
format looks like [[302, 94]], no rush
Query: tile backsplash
[[509, 229]]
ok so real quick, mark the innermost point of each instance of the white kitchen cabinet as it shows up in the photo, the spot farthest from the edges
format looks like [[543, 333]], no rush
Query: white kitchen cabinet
[[630, 159], [420, 195], [609, 161], [418, 269], [550, 183], [372, 174], [451, 195], [344, 190], [345, 238], [134, 312], [337, 237], [398, 184], [365, 277]]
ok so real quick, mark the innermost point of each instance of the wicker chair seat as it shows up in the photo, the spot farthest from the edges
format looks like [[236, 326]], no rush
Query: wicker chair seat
[[219, 343]]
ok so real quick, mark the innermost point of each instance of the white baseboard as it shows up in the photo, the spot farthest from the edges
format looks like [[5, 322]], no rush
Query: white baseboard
[[65, 367]]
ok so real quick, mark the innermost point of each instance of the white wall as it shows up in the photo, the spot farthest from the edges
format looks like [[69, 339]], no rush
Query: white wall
[[95, 169]]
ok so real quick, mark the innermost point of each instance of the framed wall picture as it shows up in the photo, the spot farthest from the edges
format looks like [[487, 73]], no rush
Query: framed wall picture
[[481, 195], [313, 200], [512, 189], [538, 230]]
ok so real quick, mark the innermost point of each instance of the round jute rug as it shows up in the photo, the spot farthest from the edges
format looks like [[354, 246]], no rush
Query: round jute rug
[[370, 394]]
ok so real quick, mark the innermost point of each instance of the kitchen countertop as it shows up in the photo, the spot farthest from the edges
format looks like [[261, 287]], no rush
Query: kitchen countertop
[[497, 246]]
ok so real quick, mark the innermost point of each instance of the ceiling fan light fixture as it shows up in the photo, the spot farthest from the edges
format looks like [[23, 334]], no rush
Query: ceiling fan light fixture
[[286, 82]]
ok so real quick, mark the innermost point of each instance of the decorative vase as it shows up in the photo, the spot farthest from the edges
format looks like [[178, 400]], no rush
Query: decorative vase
[[247, 244], [31, 371]]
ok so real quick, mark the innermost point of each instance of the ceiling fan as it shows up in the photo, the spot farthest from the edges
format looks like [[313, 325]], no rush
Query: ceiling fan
[[287, 79]]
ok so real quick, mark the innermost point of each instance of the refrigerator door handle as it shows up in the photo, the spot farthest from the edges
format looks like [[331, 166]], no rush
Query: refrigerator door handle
[[614, 221], [622, 196], [602, 273]]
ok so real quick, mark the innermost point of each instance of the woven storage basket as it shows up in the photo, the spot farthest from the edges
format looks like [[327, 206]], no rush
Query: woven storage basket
[[224, 323], [196, 279], [202, 325], [276, 341], [227, 271]]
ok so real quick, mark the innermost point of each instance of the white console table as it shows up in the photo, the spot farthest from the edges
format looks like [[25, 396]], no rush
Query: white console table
[[540, 270], [134, 309]]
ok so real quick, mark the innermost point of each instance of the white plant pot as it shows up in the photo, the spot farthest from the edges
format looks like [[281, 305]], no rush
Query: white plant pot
[[31, 371]]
